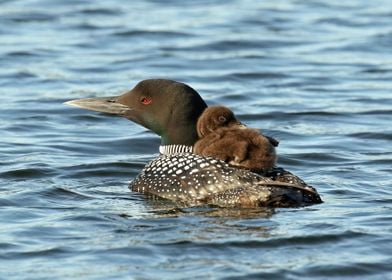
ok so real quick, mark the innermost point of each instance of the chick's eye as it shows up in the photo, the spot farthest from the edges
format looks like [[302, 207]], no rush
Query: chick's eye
[[146, 100], [222, 119]]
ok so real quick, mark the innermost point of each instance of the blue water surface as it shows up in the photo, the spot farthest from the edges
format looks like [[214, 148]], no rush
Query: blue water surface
[[316, 74]]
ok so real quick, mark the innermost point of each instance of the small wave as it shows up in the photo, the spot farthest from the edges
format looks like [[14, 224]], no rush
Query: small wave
[[28, 173], [61, 193], [256, 75], [100, 11], [151, 33], [372, 135], [108, 169], [50, 252], [31, 17]]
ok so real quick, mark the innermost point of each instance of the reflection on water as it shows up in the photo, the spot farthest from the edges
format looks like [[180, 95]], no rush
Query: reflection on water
[[314, 74]]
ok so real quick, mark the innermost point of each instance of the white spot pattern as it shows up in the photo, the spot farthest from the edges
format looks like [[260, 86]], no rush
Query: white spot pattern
[[193, 179], [196, 177]]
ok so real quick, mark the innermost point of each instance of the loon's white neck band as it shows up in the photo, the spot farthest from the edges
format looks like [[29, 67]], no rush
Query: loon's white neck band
[[175, 149]]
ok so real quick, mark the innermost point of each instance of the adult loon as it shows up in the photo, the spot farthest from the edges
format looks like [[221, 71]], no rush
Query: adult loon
[[171, 110]]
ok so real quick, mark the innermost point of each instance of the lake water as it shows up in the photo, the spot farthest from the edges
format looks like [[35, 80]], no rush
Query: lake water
[[315, 74]]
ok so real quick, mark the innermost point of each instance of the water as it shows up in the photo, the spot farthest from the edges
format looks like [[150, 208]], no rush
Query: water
[[315, 74]]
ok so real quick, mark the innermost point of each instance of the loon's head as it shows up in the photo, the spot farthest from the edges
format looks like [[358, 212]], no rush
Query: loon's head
[[167, 107]]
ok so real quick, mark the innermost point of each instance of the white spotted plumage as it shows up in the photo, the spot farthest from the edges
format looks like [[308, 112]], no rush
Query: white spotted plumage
[[195, 178], [192, 179]]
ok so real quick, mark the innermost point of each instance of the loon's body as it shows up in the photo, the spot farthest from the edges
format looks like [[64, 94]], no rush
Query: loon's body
[[223, 137], [197, 180], [171, 110]]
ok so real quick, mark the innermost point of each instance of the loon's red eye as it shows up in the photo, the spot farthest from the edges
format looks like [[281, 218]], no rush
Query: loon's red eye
[[146, 100]]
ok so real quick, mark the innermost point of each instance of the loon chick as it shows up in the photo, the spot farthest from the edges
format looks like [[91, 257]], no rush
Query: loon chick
[[171, 110], [223, 137]]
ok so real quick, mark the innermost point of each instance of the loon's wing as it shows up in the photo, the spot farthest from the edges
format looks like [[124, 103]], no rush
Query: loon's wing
[[265, 194]]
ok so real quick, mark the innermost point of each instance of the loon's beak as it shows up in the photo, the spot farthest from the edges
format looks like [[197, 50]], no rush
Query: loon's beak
[[101, 104], [110, 105]]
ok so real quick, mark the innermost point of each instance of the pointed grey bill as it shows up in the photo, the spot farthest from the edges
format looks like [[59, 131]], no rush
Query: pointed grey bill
[[101, 104]]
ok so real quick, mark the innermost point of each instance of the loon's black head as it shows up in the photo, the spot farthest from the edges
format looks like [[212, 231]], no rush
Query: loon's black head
[[167, 107]]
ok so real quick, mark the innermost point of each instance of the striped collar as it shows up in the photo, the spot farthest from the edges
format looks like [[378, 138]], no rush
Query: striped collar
[[175, 149]]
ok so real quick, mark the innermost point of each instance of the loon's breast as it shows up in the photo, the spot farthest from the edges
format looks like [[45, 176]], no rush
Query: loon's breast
[[197, 180]]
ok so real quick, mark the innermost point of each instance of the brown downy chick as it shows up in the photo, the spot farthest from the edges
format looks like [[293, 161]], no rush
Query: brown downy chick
[[223, 137]]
